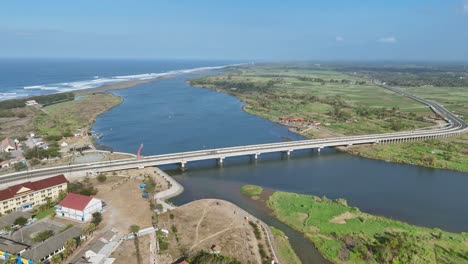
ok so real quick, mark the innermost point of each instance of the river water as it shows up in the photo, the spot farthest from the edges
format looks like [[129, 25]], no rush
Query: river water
[[171, 116]]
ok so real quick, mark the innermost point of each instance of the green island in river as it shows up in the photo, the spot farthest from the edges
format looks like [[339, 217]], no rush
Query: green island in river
[[344, 234], [326, 101]]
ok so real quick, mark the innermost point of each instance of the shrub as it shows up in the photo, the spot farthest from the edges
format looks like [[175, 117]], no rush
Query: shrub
[[21, 221], [97, 218], [101, 177], [43, 235]]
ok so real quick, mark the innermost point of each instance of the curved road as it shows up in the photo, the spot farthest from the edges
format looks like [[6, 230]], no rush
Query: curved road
[[455, 126]]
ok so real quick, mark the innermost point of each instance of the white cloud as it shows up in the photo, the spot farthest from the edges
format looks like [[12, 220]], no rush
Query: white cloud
[[465, 7], [388, 40], [339, 38]]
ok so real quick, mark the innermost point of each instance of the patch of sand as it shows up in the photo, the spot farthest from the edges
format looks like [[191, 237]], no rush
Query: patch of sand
[[341, 219]]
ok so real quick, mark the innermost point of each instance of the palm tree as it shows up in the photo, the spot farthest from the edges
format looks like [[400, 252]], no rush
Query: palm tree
[[70, 246], [88, 230]]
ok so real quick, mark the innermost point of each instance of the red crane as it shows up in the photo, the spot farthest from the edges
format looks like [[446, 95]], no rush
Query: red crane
[[139, 151]]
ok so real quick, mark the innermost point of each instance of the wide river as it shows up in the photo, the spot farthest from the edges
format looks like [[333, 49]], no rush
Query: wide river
[[171, 116]]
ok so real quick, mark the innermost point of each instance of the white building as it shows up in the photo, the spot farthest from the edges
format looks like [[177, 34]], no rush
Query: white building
[[31, 103], [78, 207]]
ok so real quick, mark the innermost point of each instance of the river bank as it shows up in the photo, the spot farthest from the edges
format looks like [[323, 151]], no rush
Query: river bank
[[343, 233], [321, 104]]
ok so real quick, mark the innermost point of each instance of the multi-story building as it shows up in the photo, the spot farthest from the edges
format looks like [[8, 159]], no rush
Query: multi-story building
[[26, 195]]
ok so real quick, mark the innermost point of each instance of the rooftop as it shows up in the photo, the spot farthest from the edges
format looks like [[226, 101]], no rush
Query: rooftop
[[27, 187], [52, 244], [9, 219], [76, 201]]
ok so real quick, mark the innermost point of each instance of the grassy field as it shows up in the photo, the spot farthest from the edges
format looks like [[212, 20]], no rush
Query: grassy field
[[252, 190], [68, 117], [449, 153], [453, 98], [285, 251], [350, 105], [343, 234], [444, 153]]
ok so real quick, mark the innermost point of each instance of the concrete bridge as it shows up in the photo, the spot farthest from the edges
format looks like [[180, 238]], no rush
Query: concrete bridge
[[455, 126]]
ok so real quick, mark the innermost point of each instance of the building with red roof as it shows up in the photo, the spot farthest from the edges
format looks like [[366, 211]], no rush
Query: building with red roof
[[26, 195], [78, 207]]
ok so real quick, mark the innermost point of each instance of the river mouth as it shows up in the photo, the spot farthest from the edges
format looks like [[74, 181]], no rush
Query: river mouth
[[171, 116]]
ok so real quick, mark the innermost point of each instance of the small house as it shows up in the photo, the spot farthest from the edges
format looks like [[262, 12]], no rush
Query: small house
[[8, 145], [11, 162], [78, 207], [31, 103]]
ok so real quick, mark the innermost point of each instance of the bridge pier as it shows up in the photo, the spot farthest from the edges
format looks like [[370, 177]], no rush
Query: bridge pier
[[318, 150], [182, 166], [255, 156], [220, 161]]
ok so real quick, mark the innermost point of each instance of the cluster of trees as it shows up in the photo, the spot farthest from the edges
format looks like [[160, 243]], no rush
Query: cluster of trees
[[85, 187], [43, 100], [39, 153], [207, 258], [323, 81], [241, 86]]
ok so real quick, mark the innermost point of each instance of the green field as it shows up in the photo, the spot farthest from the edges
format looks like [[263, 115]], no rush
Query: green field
[[65, 118], [284, 249], [322, 96], [454, 99], [252, 191], [444, 153], [347, 104], [343, 234]]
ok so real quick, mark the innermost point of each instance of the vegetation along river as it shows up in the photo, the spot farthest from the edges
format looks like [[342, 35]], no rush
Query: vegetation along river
[[171, 116]]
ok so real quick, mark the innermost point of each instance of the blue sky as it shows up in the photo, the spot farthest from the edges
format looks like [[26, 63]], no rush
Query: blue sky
[[245, 30]]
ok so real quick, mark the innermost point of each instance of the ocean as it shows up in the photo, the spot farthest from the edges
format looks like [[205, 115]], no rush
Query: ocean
[[30, 77]]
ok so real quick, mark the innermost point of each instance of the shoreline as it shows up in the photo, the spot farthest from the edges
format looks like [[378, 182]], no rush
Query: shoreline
[[272, 204], [177, 189], [349, 151], [124, 84]]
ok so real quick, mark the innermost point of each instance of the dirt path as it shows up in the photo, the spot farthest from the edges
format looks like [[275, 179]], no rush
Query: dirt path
[[203, 223], [199, 222]]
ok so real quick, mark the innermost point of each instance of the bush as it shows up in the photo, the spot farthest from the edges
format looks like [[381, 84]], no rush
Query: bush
[[43, 235], [21, 221], [97, 218], [20, 166], [34, 162], [101, 177]]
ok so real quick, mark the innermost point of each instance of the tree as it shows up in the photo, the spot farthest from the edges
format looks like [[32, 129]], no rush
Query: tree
[[101, 177], [21, 221], [89, 229], [56, 259], [61, 196], [97, 218], [20, 166], [70, 246], [134, 229]]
